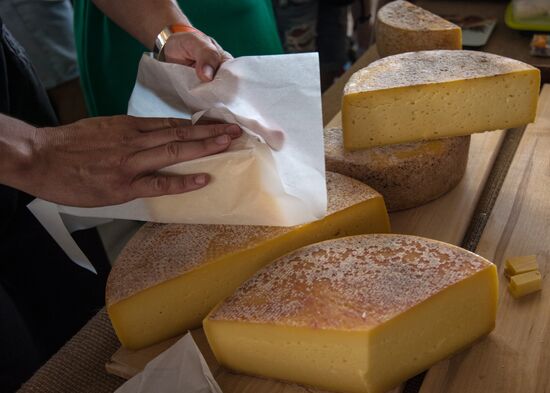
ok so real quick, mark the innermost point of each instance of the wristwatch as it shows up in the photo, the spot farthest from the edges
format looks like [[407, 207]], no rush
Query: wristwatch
[[165, 34]]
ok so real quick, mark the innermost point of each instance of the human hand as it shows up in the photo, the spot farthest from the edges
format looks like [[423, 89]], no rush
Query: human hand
[[110, 160], [196, 49]]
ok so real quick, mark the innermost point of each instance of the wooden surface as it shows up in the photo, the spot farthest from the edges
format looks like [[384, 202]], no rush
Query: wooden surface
[[515, 358]]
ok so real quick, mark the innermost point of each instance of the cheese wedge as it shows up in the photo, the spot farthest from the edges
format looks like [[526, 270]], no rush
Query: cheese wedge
[[434, 94], [169, 277], [357, 314], [407, 175], [404, 27]]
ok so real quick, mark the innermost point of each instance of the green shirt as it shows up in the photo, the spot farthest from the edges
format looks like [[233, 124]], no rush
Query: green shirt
[[108, 57]]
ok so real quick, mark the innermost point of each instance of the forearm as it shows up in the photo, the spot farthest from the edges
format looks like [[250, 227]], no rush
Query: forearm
[[16, 146], [143, 19]]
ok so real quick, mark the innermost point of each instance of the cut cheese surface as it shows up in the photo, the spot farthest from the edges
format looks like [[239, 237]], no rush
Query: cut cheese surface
[[169, 277], [356, 314], [434, 94], [520, 264], [404, 27], [525, 283], [407, 175]]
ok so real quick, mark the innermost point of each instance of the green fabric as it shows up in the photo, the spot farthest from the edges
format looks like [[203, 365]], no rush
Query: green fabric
[[108, 57]]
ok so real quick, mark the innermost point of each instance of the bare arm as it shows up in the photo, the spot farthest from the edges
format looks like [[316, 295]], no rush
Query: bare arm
[[144, 20], [106, 160]]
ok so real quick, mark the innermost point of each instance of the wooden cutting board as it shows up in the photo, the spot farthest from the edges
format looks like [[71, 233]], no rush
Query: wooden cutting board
[[445, 219], [515, 358]]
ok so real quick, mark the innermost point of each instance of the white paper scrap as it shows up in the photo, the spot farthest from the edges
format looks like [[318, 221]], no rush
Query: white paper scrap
[[181, 368]]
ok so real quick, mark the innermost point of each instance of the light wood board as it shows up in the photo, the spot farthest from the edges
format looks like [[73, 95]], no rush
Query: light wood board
[[515, 357]]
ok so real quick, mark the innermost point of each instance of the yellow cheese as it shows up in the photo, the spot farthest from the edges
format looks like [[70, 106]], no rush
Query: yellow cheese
[[525, 283], [357, 314], [169, 277], [404, 27], [522, 264], [407, 175], [434, 94]]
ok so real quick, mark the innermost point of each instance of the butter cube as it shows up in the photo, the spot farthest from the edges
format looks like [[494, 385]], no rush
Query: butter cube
[[525, 283], [521, 264]]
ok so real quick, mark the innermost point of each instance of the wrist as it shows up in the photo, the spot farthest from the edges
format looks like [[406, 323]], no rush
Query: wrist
[[16, 151], [166, 34]]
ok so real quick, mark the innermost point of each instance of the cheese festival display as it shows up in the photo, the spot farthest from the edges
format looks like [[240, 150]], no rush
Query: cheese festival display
[[405, 27], [427, 95], [170, 276], [356, 314]]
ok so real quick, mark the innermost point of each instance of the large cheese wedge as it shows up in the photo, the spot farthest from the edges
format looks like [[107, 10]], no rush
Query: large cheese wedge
[[404, 27], [357, 314], [433, 94], [407, 175], [169, 277]]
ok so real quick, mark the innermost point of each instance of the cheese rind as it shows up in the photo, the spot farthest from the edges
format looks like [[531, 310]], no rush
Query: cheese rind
[[407, 175], [356, 314], [169, 277], [434, 94], [404, 27]]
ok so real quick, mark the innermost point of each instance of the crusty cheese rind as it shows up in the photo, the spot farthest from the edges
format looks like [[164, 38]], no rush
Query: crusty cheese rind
[[352, 283], [407, 175], [431, 67], [404, 27]]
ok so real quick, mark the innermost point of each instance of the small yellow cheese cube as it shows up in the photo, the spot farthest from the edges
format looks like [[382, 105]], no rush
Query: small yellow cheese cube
[[522, 264], [525, 283]]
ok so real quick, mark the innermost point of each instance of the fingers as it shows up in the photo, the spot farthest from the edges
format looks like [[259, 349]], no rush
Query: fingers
[[186, 134], [145, 124], [159, 157], [157, 184], [200, 49]]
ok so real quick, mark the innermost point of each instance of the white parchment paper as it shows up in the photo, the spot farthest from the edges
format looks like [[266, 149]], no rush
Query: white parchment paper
[[273, 175], [181, 368]]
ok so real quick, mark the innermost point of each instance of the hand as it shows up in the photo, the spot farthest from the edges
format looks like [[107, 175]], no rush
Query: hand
[[110, 160], [197, 50]]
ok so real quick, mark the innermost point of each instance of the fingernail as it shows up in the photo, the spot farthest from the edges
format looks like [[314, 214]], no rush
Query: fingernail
[[200, 180], [222, 139], [234, 130], [208, 70]]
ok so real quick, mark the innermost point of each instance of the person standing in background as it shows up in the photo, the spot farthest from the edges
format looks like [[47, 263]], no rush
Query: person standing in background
[[108, 56], [45, 30]]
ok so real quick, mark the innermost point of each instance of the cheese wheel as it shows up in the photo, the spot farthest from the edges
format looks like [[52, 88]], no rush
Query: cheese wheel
[[407, 175], [404, 27], [427, 95], [357, 314], [169, 277]]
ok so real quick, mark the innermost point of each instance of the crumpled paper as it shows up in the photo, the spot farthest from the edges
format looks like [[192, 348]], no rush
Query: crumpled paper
[[181, 368], [273, 175]]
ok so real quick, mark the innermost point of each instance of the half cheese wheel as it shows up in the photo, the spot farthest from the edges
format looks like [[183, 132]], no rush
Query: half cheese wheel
[[357, 314], [169, 277]]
